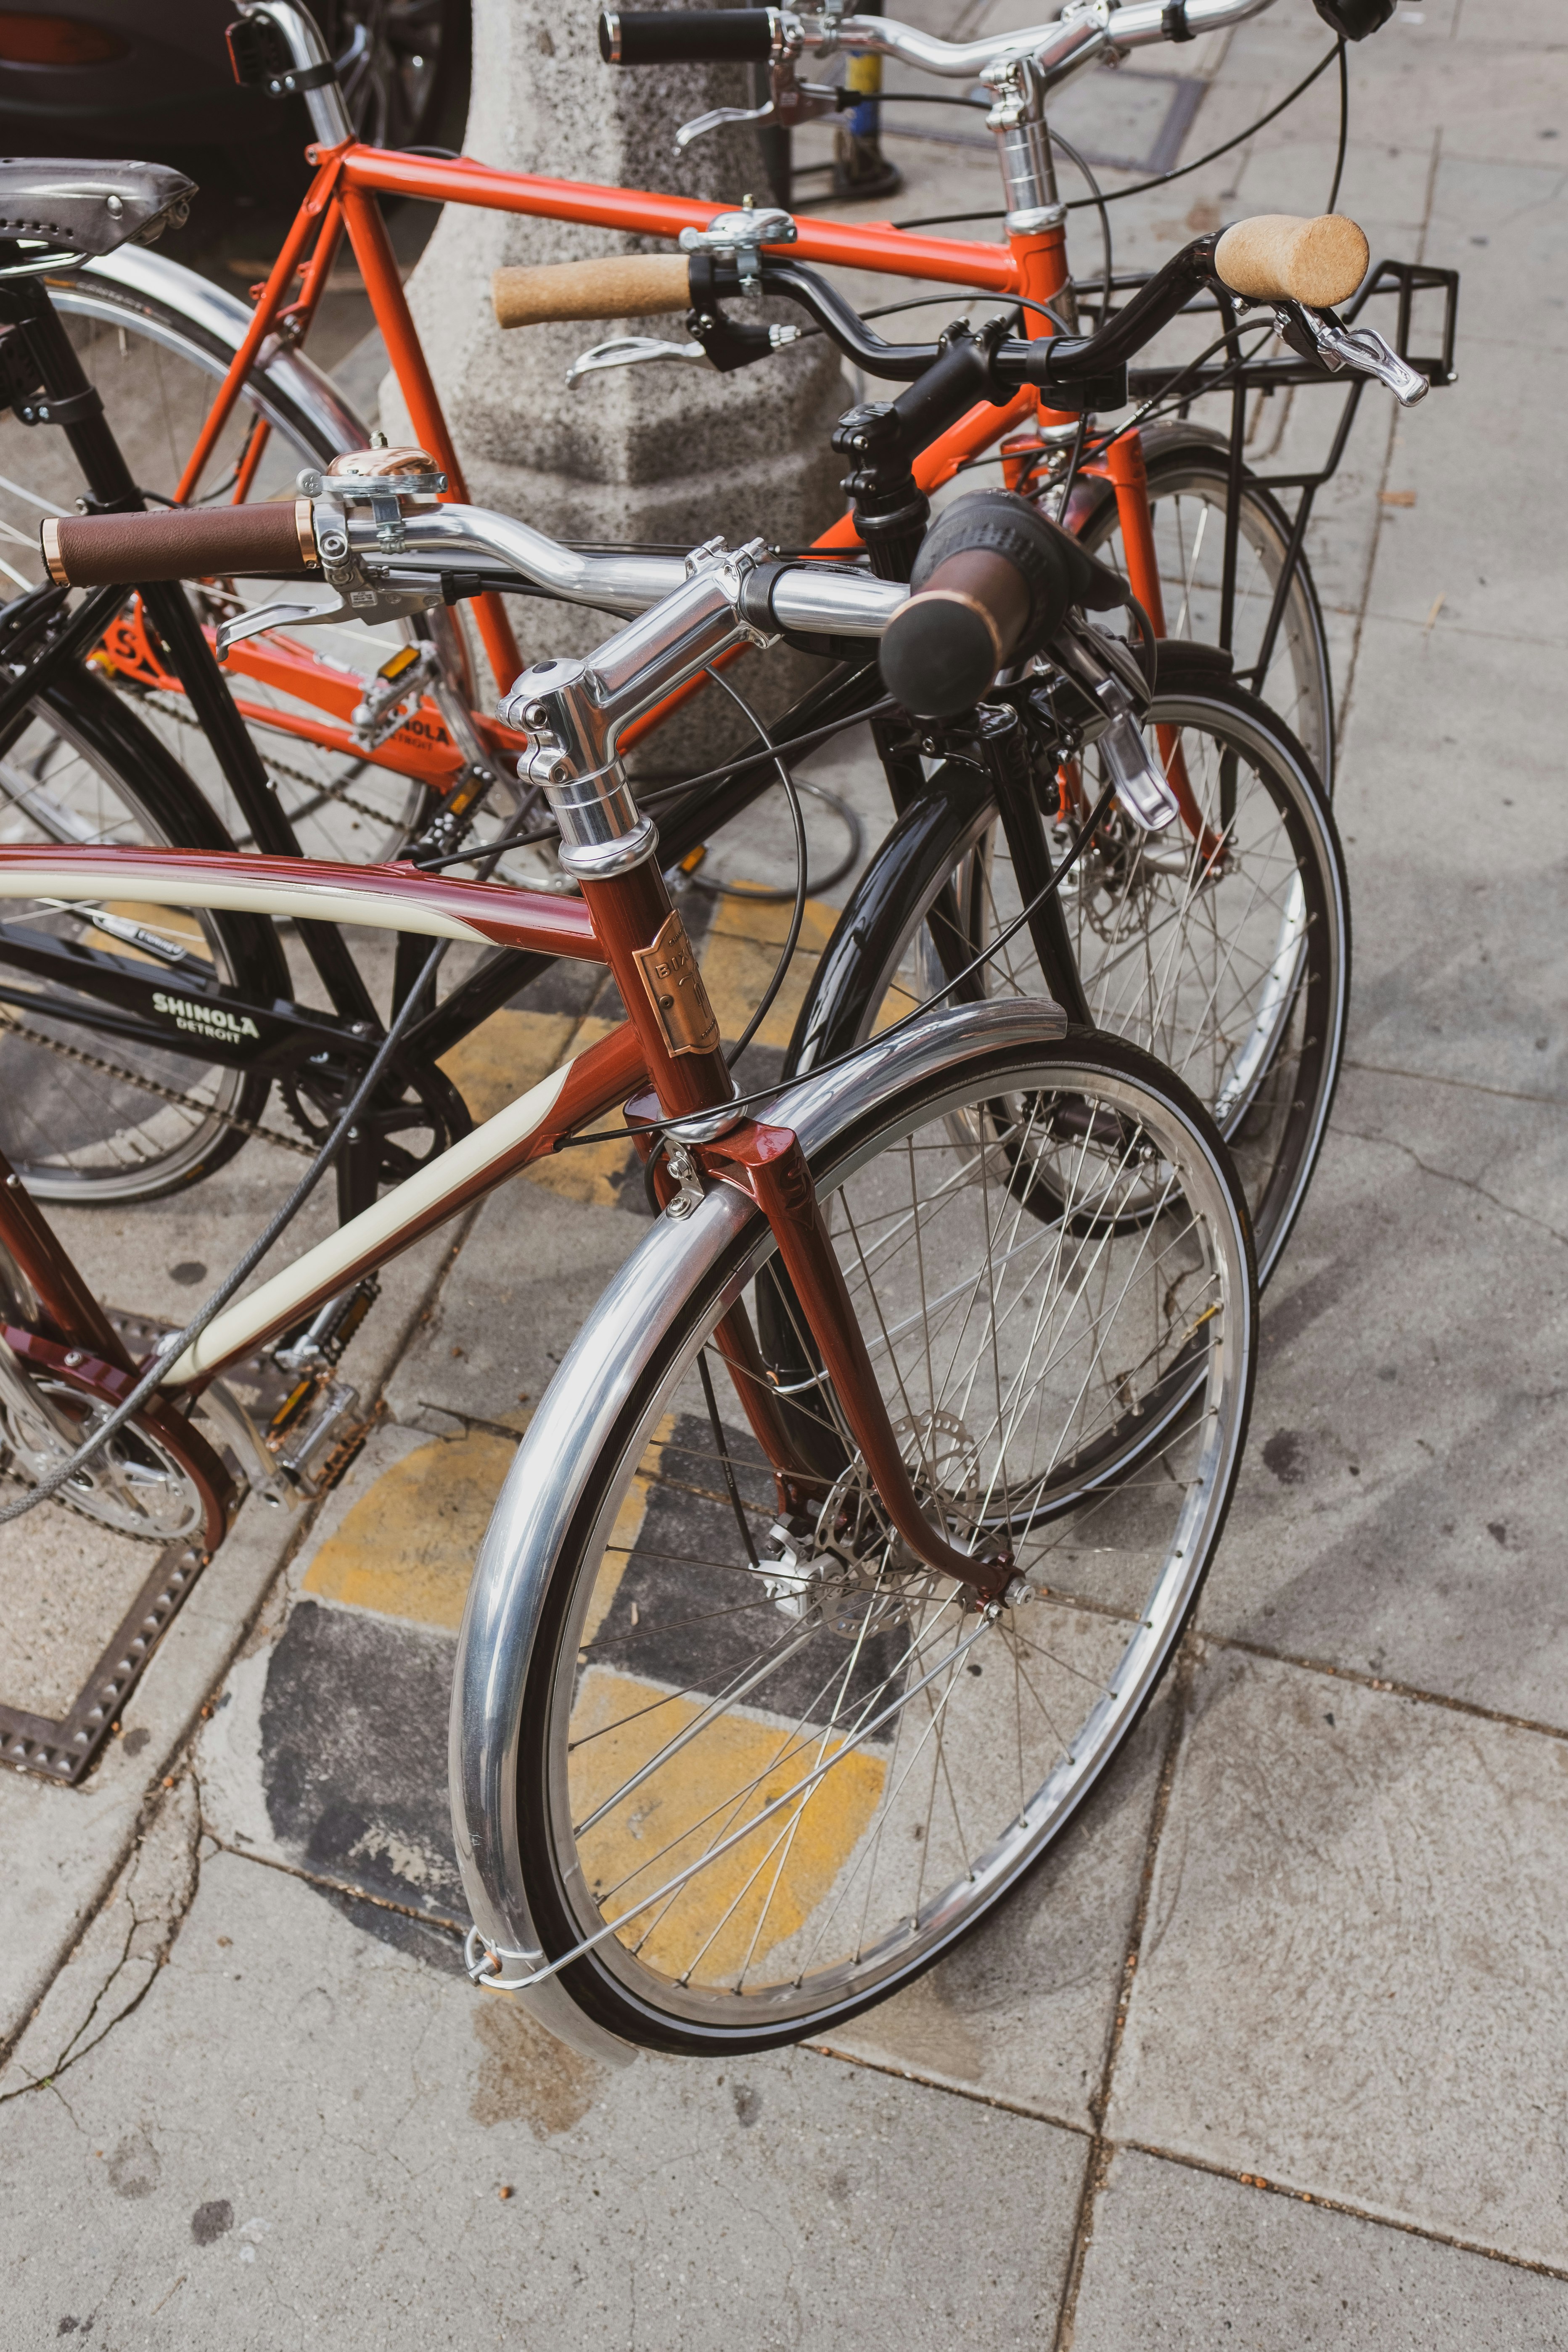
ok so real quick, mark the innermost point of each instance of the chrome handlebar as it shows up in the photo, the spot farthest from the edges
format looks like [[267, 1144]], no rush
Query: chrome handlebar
[[383, 572], [1020, 68], [1131, 27]]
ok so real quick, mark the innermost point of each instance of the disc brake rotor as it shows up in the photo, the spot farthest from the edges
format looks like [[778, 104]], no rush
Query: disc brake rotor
[[853, 1569]]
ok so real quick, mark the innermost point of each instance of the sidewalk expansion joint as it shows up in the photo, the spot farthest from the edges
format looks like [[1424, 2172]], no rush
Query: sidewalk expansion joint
[[950, 2089], [1100, 2149], [1384, 1683], [1187, 2163], [1340, 2205]]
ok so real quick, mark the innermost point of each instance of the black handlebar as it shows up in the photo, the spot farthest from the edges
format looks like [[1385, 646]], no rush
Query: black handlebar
[[1080, 370], [685, 37]]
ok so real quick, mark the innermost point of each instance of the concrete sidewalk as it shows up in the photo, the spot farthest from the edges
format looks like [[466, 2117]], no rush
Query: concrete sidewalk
[[1270, 2053]]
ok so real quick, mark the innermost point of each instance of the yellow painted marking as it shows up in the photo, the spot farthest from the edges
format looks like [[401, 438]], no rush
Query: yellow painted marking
[[739, 959], [668, 1824], [507, 1052], [407, 1547], [511, 1051], [591, 1174]]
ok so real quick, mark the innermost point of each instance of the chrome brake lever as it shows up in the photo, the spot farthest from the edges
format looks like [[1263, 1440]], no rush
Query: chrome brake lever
[[373, 602], [1105, 669], [1361, 348], [280, 615], [629, 351], [792, 104]]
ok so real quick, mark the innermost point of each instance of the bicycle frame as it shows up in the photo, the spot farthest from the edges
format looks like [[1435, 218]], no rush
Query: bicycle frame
[[342, 202], [625, 919]]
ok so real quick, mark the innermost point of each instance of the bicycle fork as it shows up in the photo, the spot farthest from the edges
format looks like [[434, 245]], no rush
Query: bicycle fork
[[575, 713]]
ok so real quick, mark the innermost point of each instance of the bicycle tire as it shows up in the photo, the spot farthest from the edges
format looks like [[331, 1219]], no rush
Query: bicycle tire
[[71, 1132], [948, 841], [1190, 463], [567, 1553], [158, 364]]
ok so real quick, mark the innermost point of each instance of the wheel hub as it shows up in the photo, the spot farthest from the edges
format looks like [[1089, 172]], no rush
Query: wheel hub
[[850, 1570]]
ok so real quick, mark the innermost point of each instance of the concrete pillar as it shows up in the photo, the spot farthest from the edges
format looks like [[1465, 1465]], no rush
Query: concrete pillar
[[666, 454]]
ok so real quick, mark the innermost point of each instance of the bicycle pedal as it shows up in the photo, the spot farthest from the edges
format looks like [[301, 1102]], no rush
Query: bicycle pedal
[[391, 699], [315, 1445], [238, 1409]]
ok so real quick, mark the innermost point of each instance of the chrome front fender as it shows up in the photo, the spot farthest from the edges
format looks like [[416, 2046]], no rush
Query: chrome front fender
[[580, 1412]]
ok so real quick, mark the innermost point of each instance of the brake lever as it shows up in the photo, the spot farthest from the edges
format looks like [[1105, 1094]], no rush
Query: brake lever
[[1110, 675], [374, 600], [629, 351], [792, 104], [1318, 335]]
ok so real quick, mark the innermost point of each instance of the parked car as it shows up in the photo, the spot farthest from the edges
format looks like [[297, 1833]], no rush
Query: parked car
[[128, 77]]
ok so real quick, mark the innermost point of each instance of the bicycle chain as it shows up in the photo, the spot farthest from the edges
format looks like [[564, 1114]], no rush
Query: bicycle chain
[[338, 794], [149, 1085]]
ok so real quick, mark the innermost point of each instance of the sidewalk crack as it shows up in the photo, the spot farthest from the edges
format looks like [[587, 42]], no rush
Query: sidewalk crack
[[1448, 1176], [147, 1944]]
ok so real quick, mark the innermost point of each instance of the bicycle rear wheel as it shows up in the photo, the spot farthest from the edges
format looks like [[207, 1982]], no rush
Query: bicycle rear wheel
[[86, 1115], [157, 354], [750, 1800]]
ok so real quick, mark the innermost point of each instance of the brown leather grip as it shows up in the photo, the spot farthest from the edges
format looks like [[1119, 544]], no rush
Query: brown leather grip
[[121, 550], [617, 286], [942, 650], [1276, 257]]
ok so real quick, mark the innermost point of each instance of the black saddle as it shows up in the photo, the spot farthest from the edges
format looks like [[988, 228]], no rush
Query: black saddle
[[89, 207]]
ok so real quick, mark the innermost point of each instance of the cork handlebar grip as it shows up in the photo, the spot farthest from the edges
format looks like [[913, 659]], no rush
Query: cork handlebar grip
[[121, 550], [1276, 257], [616, 286]]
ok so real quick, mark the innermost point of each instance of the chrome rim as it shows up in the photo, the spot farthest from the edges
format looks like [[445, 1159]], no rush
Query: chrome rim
[[1201, 960]]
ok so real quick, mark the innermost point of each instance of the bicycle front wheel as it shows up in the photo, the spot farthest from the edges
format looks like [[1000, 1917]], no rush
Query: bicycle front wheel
[[1189, 492], [760, 1784]]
